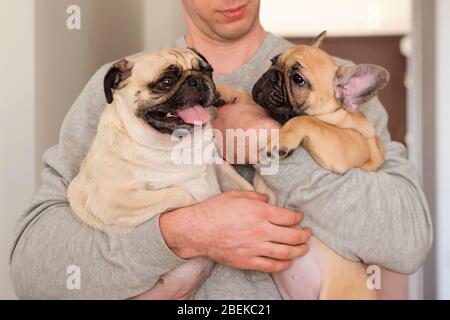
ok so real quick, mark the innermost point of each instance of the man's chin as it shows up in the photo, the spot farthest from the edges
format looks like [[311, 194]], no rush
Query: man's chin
[[233, 30]]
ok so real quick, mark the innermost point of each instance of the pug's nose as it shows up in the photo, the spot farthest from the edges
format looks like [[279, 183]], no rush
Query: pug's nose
[[194, 82]]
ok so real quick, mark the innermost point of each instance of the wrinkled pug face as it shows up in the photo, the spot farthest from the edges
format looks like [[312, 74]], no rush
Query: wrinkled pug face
[[167, 90], [305, 80]]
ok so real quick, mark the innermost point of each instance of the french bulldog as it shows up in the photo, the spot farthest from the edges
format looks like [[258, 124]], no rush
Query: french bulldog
[[316, 103]]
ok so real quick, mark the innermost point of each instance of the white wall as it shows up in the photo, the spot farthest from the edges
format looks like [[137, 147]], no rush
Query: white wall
[[443, 148], [44, 68], [164, 22], [17, 165], [66, 59], [339, 17]]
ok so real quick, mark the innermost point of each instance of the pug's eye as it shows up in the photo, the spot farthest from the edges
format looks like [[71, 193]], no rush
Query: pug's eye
[[298, 79], [166, 84]]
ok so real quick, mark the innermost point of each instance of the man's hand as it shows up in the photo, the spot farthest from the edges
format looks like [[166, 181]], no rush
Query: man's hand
[[245, 117], [238, 229]]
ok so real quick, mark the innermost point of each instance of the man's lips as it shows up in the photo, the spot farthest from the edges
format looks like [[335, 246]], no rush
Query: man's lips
[[235, 13]]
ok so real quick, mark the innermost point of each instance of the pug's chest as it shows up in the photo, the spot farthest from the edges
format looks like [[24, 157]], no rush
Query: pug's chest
[[199, 180]]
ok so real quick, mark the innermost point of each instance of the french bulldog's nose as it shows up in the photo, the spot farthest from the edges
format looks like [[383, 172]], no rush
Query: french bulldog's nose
[[194, 82], [274, 76]]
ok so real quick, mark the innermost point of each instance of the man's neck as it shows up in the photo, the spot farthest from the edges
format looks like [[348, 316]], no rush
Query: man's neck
[[227, 56]]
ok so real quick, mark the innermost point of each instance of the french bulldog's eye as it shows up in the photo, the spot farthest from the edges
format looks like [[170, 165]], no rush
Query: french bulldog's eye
[[298, 79]]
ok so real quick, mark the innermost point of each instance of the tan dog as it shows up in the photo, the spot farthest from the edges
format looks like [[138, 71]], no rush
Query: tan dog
[[319, 100], [130, 174], [316, 101]]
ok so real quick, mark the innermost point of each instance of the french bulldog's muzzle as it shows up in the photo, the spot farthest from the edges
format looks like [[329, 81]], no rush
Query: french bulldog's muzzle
[[270, 93], [184, 106]]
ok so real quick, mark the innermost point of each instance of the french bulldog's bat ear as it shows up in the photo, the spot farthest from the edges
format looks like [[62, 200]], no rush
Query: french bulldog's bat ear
[[274, 60], [119, 72], [358, 84], [319, 39]]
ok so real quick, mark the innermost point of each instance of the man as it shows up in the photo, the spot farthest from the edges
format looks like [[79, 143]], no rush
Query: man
[[389, 224]]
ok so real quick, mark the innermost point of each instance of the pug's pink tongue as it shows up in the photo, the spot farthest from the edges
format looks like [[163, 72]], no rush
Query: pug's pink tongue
[[195, 114]]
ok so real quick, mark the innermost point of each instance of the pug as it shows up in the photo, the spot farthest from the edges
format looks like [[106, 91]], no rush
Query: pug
[[316, 103], [130, 174]]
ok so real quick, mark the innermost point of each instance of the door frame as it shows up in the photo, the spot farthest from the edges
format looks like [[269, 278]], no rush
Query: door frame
[[422, 143]]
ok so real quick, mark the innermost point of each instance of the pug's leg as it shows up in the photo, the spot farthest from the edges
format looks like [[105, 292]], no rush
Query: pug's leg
[[128, 208], [142, 205], [229, 179], [180, 283]]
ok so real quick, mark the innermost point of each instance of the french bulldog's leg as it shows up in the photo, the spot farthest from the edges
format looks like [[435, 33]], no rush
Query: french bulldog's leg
[[335, 149], [358, 122], [346, 120], [290, 137], [376, 155], [343, 279], [303, 280], [323, 274], [180, 283]]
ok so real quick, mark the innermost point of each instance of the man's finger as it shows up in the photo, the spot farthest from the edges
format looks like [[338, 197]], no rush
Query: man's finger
[[283, 252], [283, 217], [251, 195], [289, 236], [268, 265]]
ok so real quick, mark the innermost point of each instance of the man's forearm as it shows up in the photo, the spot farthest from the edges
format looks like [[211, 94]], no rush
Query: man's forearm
[[176, 229], [110, 267], [51, 243]]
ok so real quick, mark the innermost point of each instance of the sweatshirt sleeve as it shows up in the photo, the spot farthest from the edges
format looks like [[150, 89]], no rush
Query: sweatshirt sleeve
[[51, 246], [379, 218]]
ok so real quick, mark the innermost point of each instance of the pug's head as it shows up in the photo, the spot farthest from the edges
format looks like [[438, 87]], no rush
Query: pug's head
[[167, 90], [305, 80]]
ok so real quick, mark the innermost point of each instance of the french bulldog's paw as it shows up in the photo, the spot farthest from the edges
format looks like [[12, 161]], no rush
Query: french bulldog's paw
[[272, 151], [286, 145], [275, 151], [284, 149], [284, 153], [266, 156]]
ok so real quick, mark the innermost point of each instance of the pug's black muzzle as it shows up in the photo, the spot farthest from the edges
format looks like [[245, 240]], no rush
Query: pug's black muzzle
[[195, 90], [270, 93]]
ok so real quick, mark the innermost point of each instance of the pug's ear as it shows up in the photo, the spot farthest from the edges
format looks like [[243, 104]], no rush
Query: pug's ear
[[119, 72], [358, 84], [317, 42], [199, 54]]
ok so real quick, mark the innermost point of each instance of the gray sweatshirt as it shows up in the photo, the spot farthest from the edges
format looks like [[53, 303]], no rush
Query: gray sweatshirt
[[378, 218]]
